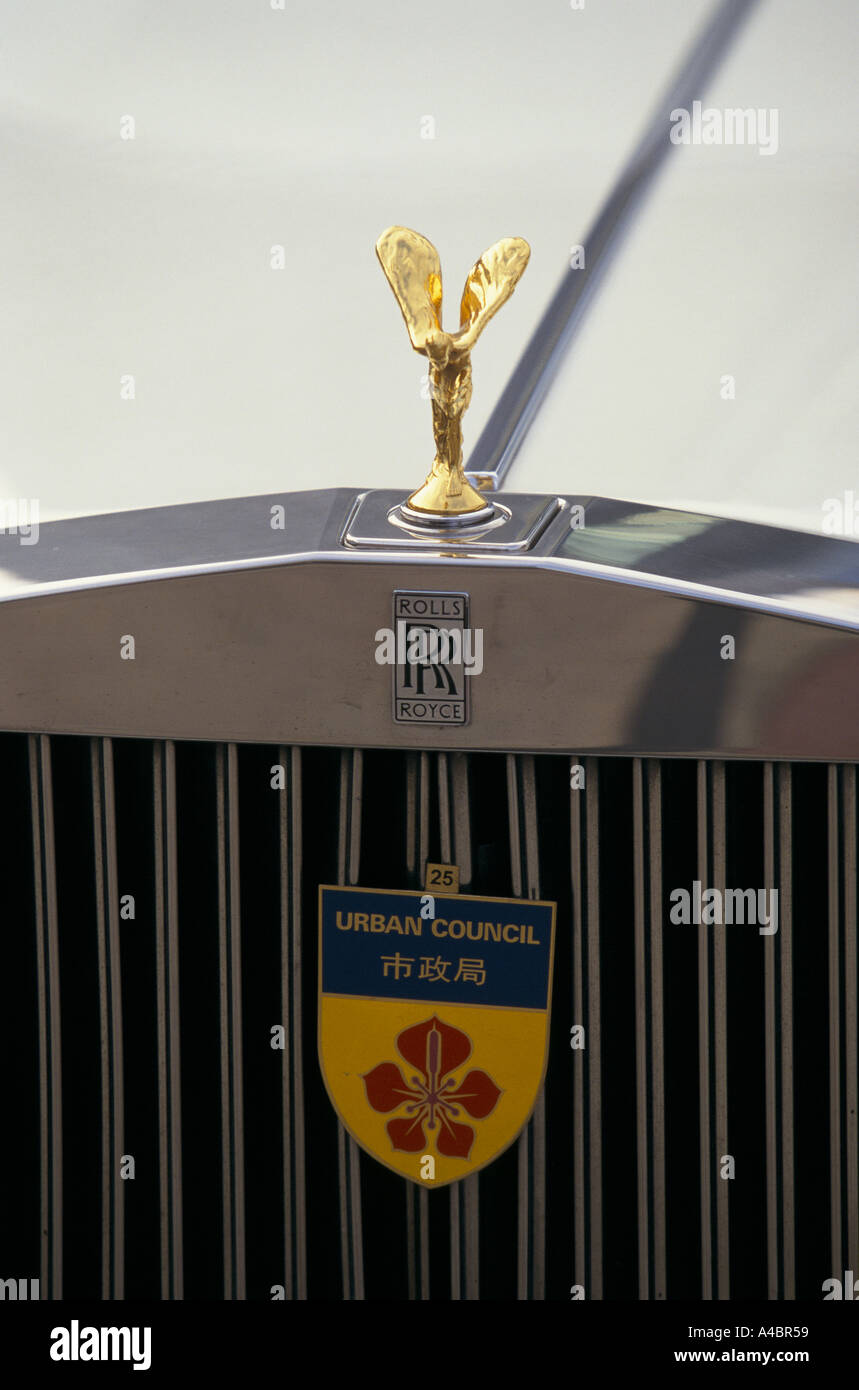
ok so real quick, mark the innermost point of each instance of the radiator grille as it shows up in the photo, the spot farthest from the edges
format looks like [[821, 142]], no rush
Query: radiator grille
[[148, 1037]]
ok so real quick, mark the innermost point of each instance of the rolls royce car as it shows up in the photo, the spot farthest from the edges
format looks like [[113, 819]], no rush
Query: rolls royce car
[[430, 832]]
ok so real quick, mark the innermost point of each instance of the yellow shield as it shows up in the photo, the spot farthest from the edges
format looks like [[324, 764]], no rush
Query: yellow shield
[[433, 1029]]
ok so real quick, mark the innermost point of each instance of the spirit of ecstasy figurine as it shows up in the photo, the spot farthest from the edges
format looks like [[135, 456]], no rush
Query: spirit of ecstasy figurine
[[413, 268]]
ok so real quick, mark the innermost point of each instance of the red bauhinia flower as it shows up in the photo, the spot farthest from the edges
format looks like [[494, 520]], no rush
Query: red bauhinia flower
[[432, 1098]]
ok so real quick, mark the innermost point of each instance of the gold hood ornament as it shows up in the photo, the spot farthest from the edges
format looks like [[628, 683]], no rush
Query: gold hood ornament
[[413, 268]]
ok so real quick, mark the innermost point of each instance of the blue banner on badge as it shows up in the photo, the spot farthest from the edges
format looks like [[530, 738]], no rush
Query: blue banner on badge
[[469, 950]]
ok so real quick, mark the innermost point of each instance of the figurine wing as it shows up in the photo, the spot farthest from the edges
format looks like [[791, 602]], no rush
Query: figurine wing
[[491, 281], [413, 268]]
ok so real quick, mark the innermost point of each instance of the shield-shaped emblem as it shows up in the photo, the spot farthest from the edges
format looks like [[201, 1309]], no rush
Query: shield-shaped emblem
[[433, 1029]]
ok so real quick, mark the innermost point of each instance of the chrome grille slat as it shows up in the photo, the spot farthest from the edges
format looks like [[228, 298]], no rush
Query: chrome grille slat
[[579, 976], [230, 973], [587, 1062], [455, 840], [642, 1015], [348, 1154], [718, 879], [771, 1025], [851, 1013], [649, 1060], [50, 1039], [834, 965], [524, 1144], [343, 1192], [356, 1218], [704, 1007], [779, 1038], [525, 867], [417, 815], [417, 1241], [713, 1079], [168, 1018], [417, 854], [594, 1019], [657, 1077], [110, 1019], [785, 939], [446, 823], [291, 974]]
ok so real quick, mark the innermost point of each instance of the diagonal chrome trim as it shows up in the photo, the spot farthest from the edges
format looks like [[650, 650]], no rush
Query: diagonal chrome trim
[[507, 426]]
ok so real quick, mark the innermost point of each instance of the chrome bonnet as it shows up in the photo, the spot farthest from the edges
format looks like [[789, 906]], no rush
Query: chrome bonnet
[[254, 620]]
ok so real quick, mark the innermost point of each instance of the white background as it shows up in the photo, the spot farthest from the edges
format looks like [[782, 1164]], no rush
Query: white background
[[302, 127]]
